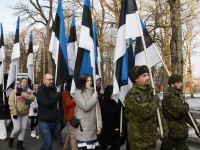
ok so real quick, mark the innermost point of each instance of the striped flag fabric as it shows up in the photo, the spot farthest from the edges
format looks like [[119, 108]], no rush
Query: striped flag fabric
[[72, 46], [152, 52], [58, 47], [129, 27], [2, 56], [85, 61], [96, 51], [14, 65], [30, 64]]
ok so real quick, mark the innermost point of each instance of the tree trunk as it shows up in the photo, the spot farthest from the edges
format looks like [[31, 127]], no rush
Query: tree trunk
[[176, 39]]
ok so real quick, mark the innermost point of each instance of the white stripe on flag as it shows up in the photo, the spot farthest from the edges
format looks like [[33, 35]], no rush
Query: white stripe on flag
[[53, 47], [132, 23], [71, 52], [30, 59], [85, 38], [16, 51], [153, 56]]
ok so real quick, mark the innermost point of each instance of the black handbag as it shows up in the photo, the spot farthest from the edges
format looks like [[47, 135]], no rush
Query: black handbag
[[74, 122]]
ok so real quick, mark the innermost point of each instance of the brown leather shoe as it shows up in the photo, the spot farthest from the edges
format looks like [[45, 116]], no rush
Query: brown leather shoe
[[3, 140]]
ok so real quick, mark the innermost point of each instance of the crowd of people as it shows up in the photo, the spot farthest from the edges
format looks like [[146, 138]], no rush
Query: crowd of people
[[103, 123]]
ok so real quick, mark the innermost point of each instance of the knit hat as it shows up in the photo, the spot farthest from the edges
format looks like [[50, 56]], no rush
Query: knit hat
[[137, 71], [174, 78], [98, 77]]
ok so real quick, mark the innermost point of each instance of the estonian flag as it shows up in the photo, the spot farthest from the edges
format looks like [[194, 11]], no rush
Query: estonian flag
[[72, 46], [152, 52], [58, 47], [129, 27], [2, 57], [96, 51], [14, 65], [30, 65], [85, 62]]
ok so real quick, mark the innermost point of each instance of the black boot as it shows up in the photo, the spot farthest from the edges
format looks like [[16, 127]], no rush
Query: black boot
[[10, 142], [19, 145]]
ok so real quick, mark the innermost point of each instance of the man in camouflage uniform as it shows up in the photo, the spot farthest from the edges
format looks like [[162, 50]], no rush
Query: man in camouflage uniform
[[141, 111], [175, 111]]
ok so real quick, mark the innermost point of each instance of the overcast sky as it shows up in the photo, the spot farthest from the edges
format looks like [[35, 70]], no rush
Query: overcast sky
[[9, 25]]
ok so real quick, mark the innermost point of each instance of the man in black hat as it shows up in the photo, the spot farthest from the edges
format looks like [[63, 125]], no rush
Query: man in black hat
[[141, 111], [175, 111]]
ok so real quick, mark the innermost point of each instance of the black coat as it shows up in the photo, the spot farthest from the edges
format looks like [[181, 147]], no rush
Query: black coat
[[47, 104], [4, 108], [110, 111]]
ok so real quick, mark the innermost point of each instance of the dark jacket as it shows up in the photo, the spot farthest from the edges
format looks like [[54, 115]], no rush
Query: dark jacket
[[4, 108], [110, 111], [100, 96], [47, 104]]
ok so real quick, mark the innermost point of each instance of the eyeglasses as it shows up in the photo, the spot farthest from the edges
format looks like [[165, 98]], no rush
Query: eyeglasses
[[50, 79]]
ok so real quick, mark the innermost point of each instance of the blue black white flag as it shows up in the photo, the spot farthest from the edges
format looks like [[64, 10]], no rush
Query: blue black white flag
[[85, 61], [129, 27], [2, 56], [58, 47], [152, 52], [72, 46], [14, 65], [30, 64]]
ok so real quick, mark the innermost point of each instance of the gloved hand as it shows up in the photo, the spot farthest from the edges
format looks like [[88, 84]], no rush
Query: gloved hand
[[35, 110], [27, 102], [165, 136], [34, 93], [197, 132], [58, 95], [15, 116], [186, 105], [156, 98], [19, 91]]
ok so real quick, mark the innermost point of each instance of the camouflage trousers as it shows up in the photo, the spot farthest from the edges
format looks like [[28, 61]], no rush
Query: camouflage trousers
[[169, 144], [147, 148]]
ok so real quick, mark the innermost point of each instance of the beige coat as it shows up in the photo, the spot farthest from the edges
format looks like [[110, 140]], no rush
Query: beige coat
[[20, 108]]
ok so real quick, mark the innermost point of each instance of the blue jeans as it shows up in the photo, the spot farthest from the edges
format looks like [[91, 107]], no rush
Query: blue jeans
[[47, 132], [58, 133]]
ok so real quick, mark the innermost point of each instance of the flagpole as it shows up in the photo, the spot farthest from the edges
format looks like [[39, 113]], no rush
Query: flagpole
[[95, 89], [150, 74], [3, 82], [16, 73]]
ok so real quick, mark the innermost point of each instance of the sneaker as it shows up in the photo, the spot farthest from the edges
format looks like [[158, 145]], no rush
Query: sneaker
[[33, 134]]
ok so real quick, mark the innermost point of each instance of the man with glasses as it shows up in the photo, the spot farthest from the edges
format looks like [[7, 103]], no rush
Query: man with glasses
[[47, 97]]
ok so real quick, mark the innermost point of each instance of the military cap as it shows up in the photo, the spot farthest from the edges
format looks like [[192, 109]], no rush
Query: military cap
[[137, 71], [174, 78]]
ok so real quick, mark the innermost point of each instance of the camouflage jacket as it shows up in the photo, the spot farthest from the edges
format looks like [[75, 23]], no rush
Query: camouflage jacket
[[176, 114], [141, 112]]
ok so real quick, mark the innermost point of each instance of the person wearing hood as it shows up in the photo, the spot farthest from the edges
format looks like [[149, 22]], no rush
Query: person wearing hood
[[19, 110], [110, 110], [99, 89]]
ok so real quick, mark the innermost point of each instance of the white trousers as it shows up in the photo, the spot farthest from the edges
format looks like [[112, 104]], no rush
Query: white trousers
[[19, 127], [3, 124]]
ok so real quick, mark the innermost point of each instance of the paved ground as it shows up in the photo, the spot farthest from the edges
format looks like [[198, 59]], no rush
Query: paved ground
[[34, 144]]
